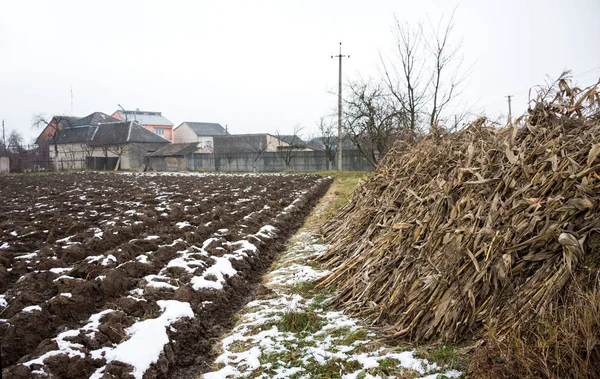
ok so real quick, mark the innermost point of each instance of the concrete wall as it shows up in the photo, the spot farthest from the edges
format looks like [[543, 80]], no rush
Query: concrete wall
[[267, 162], [4, 165]]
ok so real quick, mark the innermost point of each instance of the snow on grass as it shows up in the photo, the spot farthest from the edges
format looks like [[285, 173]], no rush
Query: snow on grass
[[291, 333], [3, 302], [5, 245]]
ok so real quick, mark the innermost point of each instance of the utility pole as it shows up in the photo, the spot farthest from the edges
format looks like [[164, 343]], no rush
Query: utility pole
[[71, 100], [339, 142], [3, 137], [509, 109]]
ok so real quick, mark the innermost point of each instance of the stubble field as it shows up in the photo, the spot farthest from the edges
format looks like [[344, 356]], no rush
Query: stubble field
[[134, 275]]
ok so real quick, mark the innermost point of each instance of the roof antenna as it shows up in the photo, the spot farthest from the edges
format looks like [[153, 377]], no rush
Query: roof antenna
[[123, 109]]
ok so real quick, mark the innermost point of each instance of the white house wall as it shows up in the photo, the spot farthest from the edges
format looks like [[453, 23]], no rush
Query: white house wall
[[273, 142], [184, 134]]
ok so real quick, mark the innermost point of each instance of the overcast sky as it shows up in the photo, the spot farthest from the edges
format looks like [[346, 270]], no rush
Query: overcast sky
[[263, 66]]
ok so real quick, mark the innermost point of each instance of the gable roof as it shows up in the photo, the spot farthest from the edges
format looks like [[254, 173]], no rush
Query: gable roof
[[292, 140], [94, 119], [57, 122], [75, 135], [144, 117], [175, 150], [65, 121], [207, 129], [113, 133]]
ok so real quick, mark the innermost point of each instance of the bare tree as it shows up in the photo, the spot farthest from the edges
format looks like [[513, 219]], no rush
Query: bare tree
[[446, 74], [53, 127], [118, 149], [256, 145], [288, 146], [372, 120], [405, 78], [227, 147], [328, 137], [426, 73], [15, 142]]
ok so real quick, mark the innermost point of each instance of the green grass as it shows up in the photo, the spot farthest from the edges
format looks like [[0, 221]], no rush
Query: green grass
[[298, 321], [340, 193], [445, 356]]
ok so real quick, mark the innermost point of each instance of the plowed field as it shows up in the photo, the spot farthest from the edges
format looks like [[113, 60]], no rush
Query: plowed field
[[134, 275]]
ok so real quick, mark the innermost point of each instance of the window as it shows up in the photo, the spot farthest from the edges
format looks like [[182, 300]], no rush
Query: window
[[208, 144], [159, 131]]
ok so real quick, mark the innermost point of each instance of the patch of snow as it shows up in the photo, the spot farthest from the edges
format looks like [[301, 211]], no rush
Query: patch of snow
[[110, 258], [32, 308], [66, 239], [221, 267], [26, 256], [60, 270], [147, 338], [183, 224]]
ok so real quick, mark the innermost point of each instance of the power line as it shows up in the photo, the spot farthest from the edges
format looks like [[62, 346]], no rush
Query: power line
[[587, 72]]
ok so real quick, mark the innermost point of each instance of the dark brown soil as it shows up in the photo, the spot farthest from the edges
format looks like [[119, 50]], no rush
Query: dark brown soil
[[95, 226]]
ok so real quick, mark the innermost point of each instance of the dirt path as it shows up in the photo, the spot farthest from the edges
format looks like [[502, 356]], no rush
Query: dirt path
[[288, 331]]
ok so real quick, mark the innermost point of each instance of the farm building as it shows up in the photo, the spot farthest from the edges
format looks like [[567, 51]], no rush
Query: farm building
[[152, 121], [249, 143], [104, 146], [201, 132]]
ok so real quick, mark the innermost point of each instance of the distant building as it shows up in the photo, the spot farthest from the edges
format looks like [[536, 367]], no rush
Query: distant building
[[202, 133], [153, 121], [293, 142], [57, 123], [122, 144], [247, 143]]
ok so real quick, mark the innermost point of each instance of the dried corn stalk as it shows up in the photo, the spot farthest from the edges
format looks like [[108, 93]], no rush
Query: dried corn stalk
[[484, 226]]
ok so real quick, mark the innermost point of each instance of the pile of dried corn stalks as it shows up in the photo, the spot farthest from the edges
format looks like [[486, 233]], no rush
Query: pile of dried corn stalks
[[482, 226]]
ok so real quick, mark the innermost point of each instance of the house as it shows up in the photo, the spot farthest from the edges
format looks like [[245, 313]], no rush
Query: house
[[247, 143], [293, 142], [122, 144], [57, 123], [201, 132], [153, 121], [173, 157], [51, 131]]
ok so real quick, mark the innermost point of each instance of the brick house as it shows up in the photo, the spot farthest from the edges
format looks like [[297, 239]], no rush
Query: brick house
[[153, 121]]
